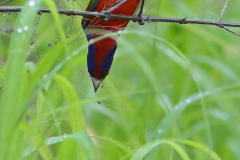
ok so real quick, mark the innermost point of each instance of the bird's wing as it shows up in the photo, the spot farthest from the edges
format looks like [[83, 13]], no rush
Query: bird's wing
[[93, 5]]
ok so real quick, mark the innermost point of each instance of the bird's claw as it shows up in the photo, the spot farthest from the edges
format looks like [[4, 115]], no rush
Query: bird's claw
[[140, 20], [107, 17]]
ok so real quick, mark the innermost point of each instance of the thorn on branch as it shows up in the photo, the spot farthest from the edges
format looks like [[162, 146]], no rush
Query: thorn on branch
[[147, 17], [183, 21]]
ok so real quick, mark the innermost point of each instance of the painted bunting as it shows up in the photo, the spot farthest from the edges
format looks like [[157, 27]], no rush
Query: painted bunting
[[100, 53]]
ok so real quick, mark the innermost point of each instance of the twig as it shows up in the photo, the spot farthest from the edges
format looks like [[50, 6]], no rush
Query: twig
[[223, 10], [220, 18], [5, 2], [134, 18], [231, 31], [124, 17], [61, 3], [34, 34]]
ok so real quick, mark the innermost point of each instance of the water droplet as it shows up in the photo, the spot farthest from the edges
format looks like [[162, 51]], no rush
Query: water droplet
[[200, 95], [25, 28], [32, 3], [128, 147], [164, 120], [188, 101], [160, 131], [19, 30], [65, 136]]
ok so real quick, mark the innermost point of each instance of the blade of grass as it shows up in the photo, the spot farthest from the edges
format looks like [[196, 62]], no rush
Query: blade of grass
[[67, 150], [49, 58], [200, 147], [166, 123], [141, 152], [58, 23], [118, 144], [71, 97], [139, 127], [180, 54], [36, 139], [15, 81]]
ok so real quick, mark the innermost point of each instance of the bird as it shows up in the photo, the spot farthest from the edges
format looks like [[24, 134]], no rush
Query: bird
[[100, 53]]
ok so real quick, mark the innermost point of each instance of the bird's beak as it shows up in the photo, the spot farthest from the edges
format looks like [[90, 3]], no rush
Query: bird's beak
[[96, 84]]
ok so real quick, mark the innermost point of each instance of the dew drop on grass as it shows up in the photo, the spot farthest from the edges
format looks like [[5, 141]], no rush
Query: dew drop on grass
[[25, 28], [65, 136], [176, 107], [32, 3], [188, 101], [160, 131], [200, 95], [19, 30]]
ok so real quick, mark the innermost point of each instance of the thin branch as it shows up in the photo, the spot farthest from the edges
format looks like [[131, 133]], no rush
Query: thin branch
[[34, 34], [231, 31], [5, 2], [224, 7], [220, 18], [124, 17]]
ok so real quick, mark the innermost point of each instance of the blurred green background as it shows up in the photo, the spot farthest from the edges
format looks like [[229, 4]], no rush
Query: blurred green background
[[172, 92]]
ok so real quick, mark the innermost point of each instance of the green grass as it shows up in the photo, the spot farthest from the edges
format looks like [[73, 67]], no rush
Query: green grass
[[172, 92]]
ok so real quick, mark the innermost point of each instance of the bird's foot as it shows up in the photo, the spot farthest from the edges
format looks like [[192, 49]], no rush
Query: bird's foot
[[140, 20], [107, 17], [140, 17]]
